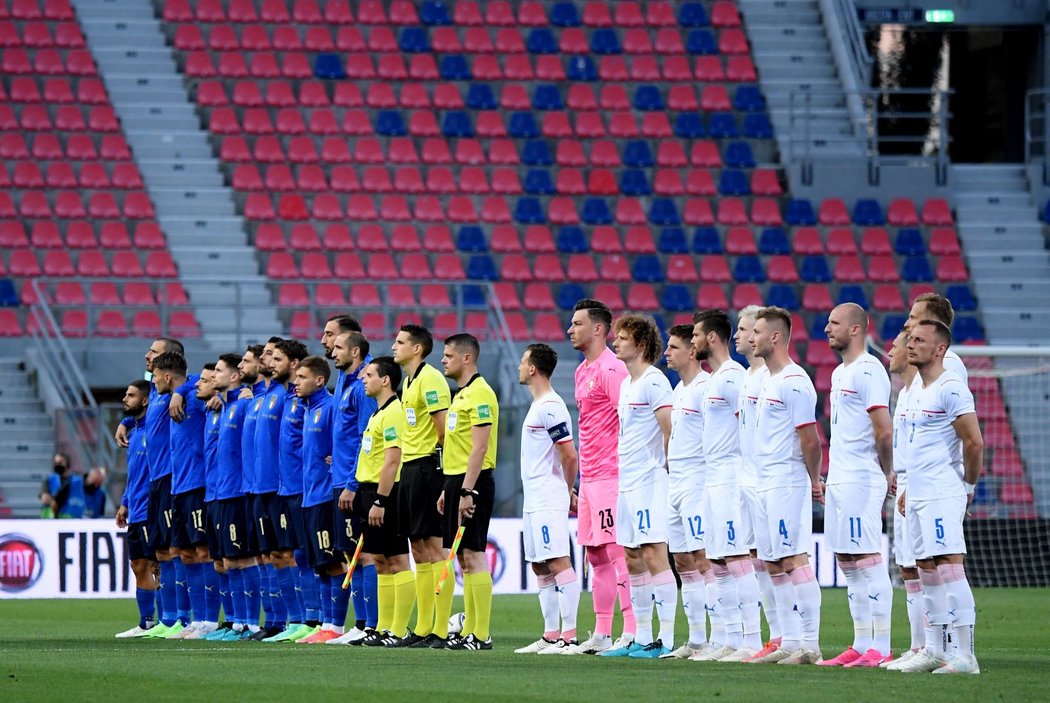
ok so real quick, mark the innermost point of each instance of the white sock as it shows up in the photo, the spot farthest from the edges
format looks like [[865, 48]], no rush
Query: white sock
[[717, 636], [769, 600], [859, 605], [808, 599], [642, 602], [743, 574], [935, 600], [693, 601], [568, 588], [665, 598], [548, 603], [916, 613], [880, 597], [787, 616], [961, 605], [728, 607]]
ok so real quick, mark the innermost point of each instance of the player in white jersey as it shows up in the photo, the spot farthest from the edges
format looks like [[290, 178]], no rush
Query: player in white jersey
[[859, 477], [902, 548], [644, 411], [747, 411], [685, 492], [728, 545], [788, 455], [548, 474], [930, 306], [941, 424]]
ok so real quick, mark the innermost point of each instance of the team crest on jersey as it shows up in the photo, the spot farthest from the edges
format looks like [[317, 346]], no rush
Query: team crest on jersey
[[233, 411], [295, 404], [273, 401], [317, 416], [258, 404], [215, 418]]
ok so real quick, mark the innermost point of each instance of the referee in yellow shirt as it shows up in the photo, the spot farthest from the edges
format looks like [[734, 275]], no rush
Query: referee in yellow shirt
[[471, 428]]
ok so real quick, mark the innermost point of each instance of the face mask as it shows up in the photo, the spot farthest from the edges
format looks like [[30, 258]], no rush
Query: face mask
[[60, 468]]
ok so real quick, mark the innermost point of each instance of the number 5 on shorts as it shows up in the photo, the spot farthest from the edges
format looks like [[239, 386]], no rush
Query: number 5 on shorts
[[938, 524]]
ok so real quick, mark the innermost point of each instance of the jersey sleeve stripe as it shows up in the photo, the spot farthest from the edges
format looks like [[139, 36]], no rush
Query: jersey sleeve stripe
[[805, 424]]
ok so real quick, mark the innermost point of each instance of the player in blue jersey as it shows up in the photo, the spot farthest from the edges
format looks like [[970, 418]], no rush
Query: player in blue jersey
[[354, 408], [132, 511]]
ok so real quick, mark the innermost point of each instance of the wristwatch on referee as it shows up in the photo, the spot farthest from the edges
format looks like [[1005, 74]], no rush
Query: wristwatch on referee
[[464, 492]]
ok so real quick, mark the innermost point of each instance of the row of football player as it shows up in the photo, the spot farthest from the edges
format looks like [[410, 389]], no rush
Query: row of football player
[[724, 470], [251, 485]]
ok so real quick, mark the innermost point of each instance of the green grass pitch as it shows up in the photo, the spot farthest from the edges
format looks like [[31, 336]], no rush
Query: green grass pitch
[[64, 650]]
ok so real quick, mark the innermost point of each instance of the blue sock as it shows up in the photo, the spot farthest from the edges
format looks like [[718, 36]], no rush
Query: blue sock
[[371, 597], [169, 614], [252, 594], [182, 591], [237, 595], [326, 597], [309, 587], [195, 578], [264, 595], [158, 599], [340, 601], [212, 592], [145, 600], [280, 610], [226, 595], [357, 593], [286, 578]]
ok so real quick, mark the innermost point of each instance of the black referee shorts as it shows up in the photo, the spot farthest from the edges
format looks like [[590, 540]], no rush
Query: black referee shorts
[[138, 542], [158, 511], [418, 490], [188, 521], [383, 540], [476, 534]]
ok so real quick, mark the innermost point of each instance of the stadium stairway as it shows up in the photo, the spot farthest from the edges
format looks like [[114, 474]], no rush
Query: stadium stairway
[[26, 441], [194, 206], [792, 53]]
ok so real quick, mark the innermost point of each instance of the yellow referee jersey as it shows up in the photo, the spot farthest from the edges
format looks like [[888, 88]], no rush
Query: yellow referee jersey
[[385, 430], [426, 392], [475, 404]]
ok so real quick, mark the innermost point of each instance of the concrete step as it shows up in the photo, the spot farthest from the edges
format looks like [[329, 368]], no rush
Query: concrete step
[[790, 67], [41, 432], [118, 83], [789, 15], [982, 215], [995, 199], [17, 393]]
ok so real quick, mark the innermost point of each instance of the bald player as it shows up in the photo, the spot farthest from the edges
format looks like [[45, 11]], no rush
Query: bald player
[[859, 477]]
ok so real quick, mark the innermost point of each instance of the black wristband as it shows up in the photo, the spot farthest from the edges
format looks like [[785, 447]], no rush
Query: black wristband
[[380, 501], [464, 492]]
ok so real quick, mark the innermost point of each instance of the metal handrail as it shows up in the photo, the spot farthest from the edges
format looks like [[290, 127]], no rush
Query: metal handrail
[[861, 59], [1037, 130]]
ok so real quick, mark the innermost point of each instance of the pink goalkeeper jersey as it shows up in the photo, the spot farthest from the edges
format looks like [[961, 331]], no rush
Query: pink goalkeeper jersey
[[597, 393]]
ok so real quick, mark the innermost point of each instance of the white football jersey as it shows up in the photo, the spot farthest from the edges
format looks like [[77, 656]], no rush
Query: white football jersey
[[934, 453], [900, 434], [954, 363], [748, 411], [546, 424], [685, 449], [641, 446], [786, 403], [721, 431], [856, 390]]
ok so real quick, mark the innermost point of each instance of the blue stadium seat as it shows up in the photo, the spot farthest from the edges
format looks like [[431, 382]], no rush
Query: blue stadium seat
[[329, 66], [672, 241], [748, 269], [1046, 212], [800, 212], [757, 126], [414, 40], [648, 99], [390, 124], [706, 240], [663, 212], [722, 125], [815, 269], [738, 155], [689, 125], [853, 294], [676, 298], [471, 295], [538, 182], [471, 238], [481, 267], [633, 181], [595, 211], [783, 296], [909, 242], [434, 13], [774, 240], [967, 328], [529, 211], [916, 269], [816, 327], [457, 124], [581, 68], [569, 294], [563, 14], [648, 269], [571, 240], [541, 41], [638, 154], [982, 494], [523, 126], [8, 295], [547, 97], [892, 325], [605, 41], [961, 298], [661, 324], [480, 97], [454, 68], [537, 153], [868, 213], [733, 182], [701, 41], [748, 98], [693, 14]]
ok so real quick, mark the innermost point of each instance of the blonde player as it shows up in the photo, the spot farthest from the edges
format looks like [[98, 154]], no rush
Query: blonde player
[[548, 474], [859, 477], [941, 425], [789, 455], [931, 306]]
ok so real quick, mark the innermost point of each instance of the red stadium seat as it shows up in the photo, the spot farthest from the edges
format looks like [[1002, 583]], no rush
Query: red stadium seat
[[849, 269], [806, 241], [883, 269], [538, 296], [833, 213], [841, 242], [875, 241], [944, 241], [936, 211], [902, 213], [816, 297], [711, 296]]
